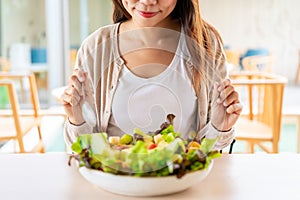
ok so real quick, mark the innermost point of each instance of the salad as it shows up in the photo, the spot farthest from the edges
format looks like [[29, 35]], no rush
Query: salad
[[159, 153]]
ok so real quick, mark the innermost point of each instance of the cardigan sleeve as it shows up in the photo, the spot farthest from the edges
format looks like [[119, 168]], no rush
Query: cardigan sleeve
[[224, 138], [217, 73], [71, 131]]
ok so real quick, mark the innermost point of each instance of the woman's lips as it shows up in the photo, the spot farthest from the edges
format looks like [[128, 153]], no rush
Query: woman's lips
[[147, 14]]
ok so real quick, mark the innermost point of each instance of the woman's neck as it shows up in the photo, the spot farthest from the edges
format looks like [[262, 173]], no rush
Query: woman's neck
[[172, 24], [150, 35]]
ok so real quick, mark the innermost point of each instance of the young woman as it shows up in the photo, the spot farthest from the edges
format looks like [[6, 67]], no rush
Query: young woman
[[159, 57]]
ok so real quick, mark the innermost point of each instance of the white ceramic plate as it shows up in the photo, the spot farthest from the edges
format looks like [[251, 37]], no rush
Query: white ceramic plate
[[143, 186]]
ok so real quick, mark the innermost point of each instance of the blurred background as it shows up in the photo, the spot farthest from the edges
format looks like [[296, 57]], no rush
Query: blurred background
[[266, 24], [43, 36]]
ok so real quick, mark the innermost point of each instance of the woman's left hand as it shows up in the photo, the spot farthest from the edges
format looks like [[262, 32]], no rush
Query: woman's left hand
[[226, 106]]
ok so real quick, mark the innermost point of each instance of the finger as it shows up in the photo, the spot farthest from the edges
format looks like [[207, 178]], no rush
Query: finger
[[79, 74], [71, 96], [225, 83], [68, 100], [78, 78], [224, 94], [72, 100], [65, 99], [64, 96], [232, 98], [76, 84], [76, 96], [235, 108], [72, 91]]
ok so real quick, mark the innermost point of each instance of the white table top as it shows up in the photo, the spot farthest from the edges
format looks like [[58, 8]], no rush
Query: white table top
[[233, 177]]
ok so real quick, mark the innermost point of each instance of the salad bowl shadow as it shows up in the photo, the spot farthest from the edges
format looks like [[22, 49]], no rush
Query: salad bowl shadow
[[143, 186]]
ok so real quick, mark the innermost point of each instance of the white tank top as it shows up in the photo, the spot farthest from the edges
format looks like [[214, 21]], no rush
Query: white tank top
[[144, 103]]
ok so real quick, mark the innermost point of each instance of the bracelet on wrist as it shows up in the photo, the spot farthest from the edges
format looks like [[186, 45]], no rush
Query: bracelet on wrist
[[219, 129], [75, 124]]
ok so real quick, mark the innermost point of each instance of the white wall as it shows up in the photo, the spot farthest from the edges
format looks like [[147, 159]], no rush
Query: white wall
[[273, 24], [23, 22]]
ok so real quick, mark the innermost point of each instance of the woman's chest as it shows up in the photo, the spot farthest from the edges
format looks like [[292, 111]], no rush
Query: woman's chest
[[147, 63]]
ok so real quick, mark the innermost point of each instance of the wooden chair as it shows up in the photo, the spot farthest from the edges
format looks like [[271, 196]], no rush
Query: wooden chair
[[262, 123], [298, 71], [258, 63], [4, 64], [16, 126]]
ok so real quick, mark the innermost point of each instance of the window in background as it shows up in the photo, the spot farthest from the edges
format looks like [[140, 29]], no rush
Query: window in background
[[86, 16], [24, 36], [23, 39]]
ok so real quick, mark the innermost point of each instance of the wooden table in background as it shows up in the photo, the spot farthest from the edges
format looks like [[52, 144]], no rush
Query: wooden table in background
[[41, 74]]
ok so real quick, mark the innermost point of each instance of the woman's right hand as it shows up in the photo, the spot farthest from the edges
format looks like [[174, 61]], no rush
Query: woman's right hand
[[72, 97]]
